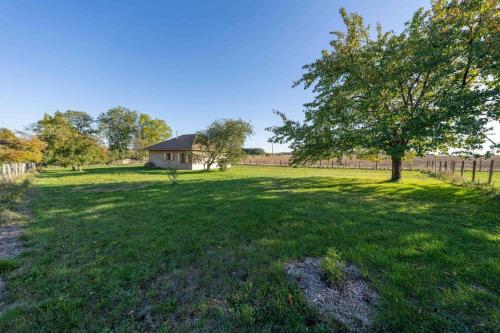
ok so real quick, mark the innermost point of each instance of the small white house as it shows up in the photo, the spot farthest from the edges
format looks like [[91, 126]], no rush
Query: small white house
[[177, 153]]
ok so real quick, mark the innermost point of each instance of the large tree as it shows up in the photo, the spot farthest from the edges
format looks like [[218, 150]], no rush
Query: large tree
[[119, 127], [222, 142], [66, 145], [434, 85], [150, 131]]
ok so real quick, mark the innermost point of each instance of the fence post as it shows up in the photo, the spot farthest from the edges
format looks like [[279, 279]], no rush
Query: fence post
[[452, 168], [473, 170], [427, 166], [480, 165], [490, 173], [359, 164], [320, 164], [445, 166], [462, 169], [9, 172], [376, 164], [440, 164]]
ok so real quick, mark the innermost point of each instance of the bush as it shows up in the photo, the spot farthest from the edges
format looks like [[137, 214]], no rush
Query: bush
[[172, 174], [332, 267], [150, 165]]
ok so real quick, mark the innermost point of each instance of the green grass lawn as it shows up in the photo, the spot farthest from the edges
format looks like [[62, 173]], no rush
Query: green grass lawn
[[121, 249]]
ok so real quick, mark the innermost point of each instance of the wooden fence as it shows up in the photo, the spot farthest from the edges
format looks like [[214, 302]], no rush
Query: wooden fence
[[12, 170], [477, 171]]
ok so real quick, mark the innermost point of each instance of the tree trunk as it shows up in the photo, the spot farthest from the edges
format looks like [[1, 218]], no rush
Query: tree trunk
[[396, 168]]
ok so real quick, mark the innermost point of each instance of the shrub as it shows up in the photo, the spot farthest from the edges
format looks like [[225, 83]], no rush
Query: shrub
[[332, 267], [150, 165], [172, 174]]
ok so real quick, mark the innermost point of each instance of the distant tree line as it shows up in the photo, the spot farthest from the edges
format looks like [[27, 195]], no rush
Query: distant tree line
[[254, 151], [74, 138]]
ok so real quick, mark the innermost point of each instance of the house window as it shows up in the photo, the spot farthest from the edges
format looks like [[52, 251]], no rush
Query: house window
[[167, 156], [183, 158]]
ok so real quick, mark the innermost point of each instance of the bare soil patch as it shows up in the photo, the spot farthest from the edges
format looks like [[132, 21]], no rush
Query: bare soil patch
[[10, 244], [350, 302]]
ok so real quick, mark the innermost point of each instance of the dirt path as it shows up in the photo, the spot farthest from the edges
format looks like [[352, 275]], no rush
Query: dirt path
[[10, 246]]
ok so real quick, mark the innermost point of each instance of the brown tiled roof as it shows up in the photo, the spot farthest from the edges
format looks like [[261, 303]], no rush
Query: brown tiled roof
[[182, 142]]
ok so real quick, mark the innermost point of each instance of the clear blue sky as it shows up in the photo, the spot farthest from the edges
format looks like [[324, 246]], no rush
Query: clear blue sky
[[188, 62]]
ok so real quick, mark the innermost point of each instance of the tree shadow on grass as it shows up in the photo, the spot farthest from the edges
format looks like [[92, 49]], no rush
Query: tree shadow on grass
[[208, 254]]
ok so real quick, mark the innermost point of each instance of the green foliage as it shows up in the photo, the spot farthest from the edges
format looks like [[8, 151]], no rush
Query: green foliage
[[150, 131], [254, 151], [66, 144], [19, 149], [332, 267], [119, 127], [222, 142], [433, 85], [81, 121], [172, 175], [7, 265], [124, 129]]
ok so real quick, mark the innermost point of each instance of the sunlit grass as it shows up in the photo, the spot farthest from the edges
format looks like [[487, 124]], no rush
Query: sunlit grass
[[121, 249]]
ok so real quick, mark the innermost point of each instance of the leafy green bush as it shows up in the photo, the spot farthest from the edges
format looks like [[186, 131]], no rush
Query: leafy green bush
[[332, 267]]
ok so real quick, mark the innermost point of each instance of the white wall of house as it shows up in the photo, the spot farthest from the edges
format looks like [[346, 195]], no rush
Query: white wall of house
[[180, 160]]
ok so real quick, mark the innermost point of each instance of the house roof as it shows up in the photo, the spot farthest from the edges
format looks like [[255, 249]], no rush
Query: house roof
[[182, 142]]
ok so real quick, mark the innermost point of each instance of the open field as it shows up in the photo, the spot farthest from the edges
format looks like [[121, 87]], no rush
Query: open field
[[121, 249]]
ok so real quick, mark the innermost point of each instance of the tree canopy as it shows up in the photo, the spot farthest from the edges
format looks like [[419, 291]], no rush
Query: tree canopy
[[66, 145], [124, 129], [81, 121], [222, 142], [19, 149], [119, 126], [150, 131], [434, 85]]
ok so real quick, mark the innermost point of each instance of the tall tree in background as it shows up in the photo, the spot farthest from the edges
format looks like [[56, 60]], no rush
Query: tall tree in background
[[119, 127], [66, 145], [19, 149], [434, 85], [82, 121], [150, 131], [222, 142]]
